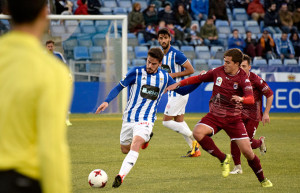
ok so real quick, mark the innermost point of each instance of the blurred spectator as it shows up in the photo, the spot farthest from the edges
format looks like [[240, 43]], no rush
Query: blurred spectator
[[267, 44], [284, 47], [286, 19], [296, 18], [200, 9], [217, 9], [179, 34], [194, 35], [268, 3], [162, 24], [136, 21], [150, 15], [290, 5], [209, 33], [185, 3], [82, 8], [256, 10], [294, 38], [237, 4], [183, 18], [50, 47], [272, 20], [167, 14], [150, 35], [94, 7], [235, 41], [252, 47], [63, 7]]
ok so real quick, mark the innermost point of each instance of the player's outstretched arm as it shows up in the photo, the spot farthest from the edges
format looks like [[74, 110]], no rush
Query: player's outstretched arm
[[102, 107], [266, 117], [172, 87]]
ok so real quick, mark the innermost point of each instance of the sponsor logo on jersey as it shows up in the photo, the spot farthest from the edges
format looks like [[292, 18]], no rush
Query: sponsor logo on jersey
[[149, 92], [247, 80], [166, 68], [235, 85], [219, 81], [248, 88]]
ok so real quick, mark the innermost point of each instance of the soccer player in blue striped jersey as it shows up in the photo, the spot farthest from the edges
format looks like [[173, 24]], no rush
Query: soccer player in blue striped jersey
[[147, 84], [178, 67]]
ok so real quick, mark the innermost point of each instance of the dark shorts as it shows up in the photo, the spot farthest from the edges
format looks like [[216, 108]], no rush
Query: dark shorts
[[233, 126], [14, 182], [251, 127]]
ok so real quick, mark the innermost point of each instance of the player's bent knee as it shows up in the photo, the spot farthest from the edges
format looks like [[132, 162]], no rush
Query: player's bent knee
[[249, 155], [125, 149]]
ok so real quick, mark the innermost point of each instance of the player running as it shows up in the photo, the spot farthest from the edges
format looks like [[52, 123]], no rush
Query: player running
[[231, 89], [252, 114], [178, 67], [147, 84]]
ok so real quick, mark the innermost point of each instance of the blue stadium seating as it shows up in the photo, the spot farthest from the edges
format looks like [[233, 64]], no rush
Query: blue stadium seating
[[85, 41], [202, 52], [138, 62], [126, 4], [188, 51], [88, 29], [96, 52], [200, 64], [214, 63], [99, 40], [224, 29], [141, 52], [275, 62], [58, 30], [86, 23], [106, 10], [69, 44], [132, 40], [81, 53], [214, 49], [260, 62], [110, 4], [119, 11], [221, 23], [290, 62]]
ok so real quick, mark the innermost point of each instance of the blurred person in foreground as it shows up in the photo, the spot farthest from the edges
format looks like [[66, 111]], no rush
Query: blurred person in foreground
[[252, 114], [35, 94], [231, 90]]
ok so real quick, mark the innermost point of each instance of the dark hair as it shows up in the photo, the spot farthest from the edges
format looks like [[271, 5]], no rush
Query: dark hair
[[235, 30], [22, 11], [156, 53], [49, 42], [236, 54], [247, 58], [164, 31]]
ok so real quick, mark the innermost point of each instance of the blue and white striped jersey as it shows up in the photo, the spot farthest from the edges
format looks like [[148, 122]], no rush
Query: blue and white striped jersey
[[145, 93], [172, 62]]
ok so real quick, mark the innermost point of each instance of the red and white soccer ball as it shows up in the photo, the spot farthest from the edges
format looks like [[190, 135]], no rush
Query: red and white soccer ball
[[98, 178]]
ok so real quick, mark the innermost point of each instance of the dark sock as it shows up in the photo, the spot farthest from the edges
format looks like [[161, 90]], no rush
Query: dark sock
[[256, 143], [236, 153], [208, 145], [256, 167]]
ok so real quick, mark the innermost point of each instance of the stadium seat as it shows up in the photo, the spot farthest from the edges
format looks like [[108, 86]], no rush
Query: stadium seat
[[290, 62], [71, 22], [214, 49], [224, 39], [201, 48], [99, 40], [275, 62], [81, 53], [73, 29], [85, 41], [276, 36], [110, 4], [200, 64], [176, 47], [141, 52], [251, 23], [96, 52], [188, 51], [143, 3], [238, 10], [120, 11], [241, 16], [202, 22], [138, 62], [254, 29], [102, 22], [130, 53], [202, 52], [86, 23], [106, 10], [102, 28], [88, 29], [126, 4], [69, 44], [221, 23], [241, 29], [260, 62], [236, 23], [214, 63], [57, 30], [224, 29], [132, 39]]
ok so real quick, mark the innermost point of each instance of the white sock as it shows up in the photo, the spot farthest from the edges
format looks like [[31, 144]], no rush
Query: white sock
[[182, 128], [128, 163]]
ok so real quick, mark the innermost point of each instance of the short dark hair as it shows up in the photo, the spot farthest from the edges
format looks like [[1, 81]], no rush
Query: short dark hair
[[247, 58], [236, 54], [22, 11], [235, 30], [49, 42], [164, 31], [156, 53]]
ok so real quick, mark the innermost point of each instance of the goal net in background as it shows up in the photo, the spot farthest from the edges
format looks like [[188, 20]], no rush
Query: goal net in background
[[95, 48]]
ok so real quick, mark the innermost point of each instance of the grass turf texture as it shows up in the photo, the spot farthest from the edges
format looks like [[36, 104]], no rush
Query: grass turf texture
[[94, 143]]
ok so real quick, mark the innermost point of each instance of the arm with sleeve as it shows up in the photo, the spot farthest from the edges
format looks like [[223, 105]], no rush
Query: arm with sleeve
[[182, 90]]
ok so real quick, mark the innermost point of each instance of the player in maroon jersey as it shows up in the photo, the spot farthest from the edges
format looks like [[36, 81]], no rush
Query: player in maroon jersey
[[252, 114], [231, 89]]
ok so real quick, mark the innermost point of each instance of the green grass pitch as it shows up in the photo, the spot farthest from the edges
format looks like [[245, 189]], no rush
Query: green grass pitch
[[94, 143]]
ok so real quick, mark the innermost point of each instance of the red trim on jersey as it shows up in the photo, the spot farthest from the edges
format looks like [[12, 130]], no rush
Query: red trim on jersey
[[249, 100], [190, 80]]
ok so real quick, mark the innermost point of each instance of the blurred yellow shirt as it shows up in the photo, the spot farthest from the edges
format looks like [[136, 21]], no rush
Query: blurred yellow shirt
[[35, 94]]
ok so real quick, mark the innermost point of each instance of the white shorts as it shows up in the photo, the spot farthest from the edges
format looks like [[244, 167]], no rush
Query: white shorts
[[129, 130], [176, 105]]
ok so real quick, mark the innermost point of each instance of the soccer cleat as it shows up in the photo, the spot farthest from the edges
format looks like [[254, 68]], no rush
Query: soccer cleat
[[237, 169], [266, 183], [145, 145], [118, 181], [68, 123], [194, 147], [196, 154], [225, 166], [263, 147]]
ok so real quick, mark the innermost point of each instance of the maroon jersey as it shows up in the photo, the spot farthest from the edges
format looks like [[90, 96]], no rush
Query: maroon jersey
[[260, 88], [225, 86]]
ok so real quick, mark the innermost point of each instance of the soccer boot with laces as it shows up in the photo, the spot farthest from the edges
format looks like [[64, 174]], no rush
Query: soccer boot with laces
[[237, 169], [118, 181], [145, 145], [195, 152], [263, 147], [266, 183], [225, 166]]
